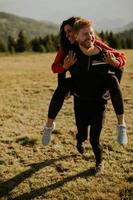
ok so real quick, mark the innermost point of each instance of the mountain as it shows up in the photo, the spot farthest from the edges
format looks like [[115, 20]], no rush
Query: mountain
[[11, 25], [124, 28], [107, 24]]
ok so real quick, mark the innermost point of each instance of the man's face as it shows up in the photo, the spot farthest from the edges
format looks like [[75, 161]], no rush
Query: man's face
[[86, 37]]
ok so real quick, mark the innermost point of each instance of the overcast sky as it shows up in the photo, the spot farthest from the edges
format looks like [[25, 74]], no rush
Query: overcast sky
[[58, 10]]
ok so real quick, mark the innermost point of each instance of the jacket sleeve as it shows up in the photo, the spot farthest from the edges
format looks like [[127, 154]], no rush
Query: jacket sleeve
[[57, 65], [120, 56]]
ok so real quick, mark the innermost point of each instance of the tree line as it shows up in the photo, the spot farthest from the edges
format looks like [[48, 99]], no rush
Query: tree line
[[50, 43], [122, 40]]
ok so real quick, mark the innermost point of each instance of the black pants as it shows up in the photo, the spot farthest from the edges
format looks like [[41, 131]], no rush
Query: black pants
[[116, 94], [66, 84], [118, 72], [90, 113], [58, 97]]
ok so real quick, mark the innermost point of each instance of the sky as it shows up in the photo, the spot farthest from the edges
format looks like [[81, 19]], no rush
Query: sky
[[120, 11]]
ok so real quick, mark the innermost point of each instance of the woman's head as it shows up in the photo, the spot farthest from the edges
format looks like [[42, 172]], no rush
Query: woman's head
[[66, 32]]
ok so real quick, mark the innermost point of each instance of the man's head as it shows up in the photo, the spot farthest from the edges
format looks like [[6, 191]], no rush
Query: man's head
[[84, 33]]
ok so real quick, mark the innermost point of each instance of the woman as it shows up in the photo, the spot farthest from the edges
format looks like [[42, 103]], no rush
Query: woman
[[63, 61]]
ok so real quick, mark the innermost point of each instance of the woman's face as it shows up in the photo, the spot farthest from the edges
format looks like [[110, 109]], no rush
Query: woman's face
[[69, 33]]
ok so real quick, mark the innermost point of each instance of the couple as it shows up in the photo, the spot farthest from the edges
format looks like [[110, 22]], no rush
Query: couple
[[95, 69]]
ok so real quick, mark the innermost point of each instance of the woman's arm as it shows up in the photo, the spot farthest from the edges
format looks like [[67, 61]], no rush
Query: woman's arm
[[119, 56], [57, 66]]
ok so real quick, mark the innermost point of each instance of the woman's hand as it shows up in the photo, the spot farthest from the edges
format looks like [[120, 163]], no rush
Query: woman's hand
[[109, 58], [69, 60]]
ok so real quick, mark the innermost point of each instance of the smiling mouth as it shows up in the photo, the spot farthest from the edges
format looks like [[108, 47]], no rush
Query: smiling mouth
[[69, 38], [89, 40]]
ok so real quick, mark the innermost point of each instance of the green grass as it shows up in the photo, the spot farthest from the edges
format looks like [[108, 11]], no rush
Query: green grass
[[29, 170]]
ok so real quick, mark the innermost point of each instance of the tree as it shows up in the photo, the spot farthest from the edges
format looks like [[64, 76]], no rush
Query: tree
[[11, 44], [123, 44], [112, 40], [21, 44], [50, 44], [36, 45], [102, 35], [129, 43], [3, 47]]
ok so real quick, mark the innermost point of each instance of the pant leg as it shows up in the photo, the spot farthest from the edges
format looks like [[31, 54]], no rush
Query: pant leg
[[95, 142], [116, 94], [61, 78], [82, 133], [95, 130], [56, 103], [81, 120], [58, 98], [118, 72]]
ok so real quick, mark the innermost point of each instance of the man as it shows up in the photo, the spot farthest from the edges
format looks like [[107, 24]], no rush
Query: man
[[89, 75]]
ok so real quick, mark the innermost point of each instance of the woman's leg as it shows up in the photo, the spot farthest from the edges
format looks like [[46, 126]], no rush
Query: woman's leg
[[56, 104], [116, 98], [64, 86], [56, 100], [118, 72], [54, 107], [117, 102]]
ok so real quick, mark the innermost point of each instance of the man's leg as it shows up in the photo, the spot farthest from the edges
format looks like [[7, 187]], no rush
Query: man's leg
[[95, 131], [98, 117], [82, 127]]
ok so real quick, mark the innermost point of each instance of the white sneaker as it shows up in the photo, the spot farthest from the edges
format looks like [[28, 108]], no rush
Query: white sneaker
[[122, 134], [46, 138]]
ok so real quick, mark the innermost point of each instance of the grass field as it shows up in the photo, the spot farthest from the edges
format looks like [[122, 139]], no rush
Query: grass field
[[29, 170]]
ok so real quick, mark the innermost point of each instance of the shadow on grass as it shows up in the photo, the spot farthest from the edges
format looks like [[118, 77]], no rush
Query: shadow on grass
[[10, 184], [43, 190]]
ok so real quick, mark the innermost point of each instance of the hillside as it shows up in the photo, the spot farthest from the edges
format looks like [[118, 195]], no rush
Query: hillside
[[11, 24]]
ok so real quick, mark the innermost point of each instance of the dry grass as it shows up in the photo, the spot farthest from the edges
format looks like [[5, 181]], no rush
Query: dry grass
[[29, 170]]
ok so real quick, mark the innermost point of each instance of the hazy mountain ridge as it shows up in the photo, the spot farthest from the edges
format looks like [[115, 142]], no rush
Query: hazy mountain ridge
[[11, 24], [127, 27]]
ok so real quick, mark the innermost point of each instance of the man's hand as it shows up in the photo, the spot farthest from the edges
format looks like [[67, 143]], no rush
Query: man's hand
[[69, 60]]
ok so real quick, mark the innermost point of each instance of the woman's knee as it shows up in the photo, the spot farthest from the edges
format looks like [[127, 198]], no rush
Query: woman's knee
[[114, 85], [60, 92], [113, 79]]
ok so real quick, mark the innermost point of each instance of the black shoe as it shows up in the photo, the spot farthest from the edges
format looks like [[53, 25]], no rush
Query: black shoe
[[80, 148], [99, 168]]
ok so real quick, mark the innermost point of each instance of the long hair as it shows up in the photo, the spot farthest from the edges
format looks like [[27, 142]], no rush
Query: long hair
[[64, 42]]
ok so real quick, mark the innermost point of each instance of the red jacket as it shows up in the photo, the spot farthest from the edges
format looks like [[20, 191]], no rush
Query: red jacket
[[58, 68]]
